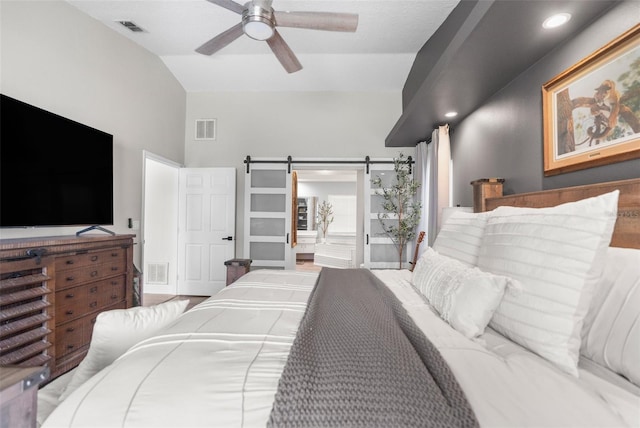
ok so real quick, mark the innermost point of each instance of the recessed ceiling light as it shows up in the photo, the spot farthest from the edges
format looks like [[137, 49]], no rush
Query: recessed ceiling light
[[451, 114], [556, 20]]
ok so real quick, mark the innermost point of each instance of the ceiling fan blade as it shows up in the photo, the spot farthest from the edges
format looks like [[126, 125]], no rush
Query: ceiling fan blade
[[284, 53], [228, 4], [221, 40], [327, 21]]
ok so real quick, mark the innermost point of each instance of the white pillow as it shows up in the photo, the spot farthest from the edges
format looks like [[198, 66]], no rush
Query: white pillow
[[118, 330], [461, 235], [556, 253], [611, 333], [464, 296]]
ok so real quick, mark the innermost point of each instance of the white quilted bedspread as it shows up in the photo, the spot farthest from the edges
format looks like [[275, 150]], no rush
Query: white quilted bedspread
[[219, 365]]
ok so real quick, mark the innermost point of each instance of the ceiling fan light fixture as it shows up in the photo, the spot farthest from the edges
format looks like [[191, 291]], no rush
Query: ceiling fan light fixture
[[257, 23], [258, 30]]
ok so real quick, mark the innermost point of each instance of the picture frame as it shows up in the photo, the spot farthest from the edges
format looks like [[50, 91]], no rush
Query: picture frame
[[591, 111]]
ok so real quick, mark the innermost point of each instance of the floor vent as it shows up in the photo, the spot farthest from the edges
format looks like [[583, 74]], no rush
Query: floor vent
[[157, 273], [205, 129]]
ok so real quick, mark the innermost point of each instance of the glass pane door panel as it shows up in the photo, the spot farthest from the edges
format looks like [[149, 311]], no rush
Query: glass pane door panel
[[268, 203], [376, 227], [377, 202], [267, 251], [384, 253], [267, 226], [270, 178], [387, 176]]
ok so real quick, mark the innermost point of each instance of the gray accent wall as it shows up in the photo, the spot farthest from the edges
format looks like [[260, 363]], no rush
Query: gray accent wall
[[503, 138]]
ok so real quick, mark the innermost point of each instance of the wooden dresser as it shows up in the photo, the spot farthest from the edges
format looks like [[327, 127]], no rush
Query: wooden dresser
[[51, 291]]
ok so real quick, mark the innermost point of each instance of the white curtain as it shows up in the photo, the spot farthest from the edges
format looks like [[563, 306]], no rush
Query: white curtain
[[432, 172]]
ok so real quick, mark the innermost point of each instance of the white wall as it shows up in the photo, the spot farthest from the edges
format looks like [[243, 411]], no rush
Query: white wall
[[59, 59], [274, 125], [322, 189]]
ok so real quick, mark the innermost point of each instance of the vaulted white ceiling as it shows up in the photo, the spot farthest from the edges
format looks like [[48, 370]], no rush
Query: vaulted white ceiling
[[377, 57]]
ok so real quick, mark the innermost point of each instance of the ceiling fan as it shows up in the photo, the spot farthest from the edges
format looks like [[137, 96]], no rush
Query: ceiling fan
[[259, 21]]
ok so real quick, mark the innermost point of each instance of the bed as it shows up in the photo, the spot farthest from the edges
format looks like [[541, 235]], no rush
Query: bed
[[271, 346]]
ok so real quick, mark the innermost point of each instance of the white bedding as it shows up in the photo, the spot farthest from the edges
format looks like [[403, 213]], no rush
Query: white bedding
[[219, 365]]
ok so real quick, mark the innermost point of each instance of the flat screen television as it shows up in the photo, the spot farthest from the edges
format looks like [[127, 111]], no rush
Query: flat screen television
[[53, 171]]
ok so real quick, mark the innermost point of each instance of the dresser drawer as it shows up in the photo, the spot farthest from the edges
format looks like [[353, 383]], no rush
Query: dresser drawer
[[111, 291], [71, 337], [75, 261], [75, 302], [71, 304], [73, 277]]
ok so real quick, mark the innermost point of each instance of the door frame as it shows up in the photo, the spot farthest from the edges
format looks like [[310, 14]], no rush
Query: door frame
[[149, 156], [338, 164]]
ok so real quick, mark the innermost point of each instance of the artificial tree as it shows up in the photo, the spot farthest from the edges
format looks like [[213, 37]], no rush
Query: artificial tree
[[325, 218], [399, 201]]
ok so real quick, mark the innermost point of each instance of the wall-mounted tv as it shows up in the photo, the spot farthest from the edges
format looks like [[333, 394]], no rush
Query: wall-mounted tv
[[53, 171]]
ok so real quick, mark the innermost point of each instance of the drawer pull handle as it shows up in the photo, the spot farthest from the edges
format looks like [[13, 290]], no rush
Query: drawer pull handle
[[93, 304], [114, 296], [70, 329], [71, 278], [70, 346], [94, 273], [114, 254], [69, 296], [69, 312], [93, 289], [114, 282], [114, 268], [70, 262], [94, 258]]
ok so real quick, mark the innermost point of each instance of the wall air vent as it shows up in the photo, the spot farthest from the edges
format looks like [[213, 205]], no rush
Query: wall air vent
[[205, 129], [132, 26], [157, 273]]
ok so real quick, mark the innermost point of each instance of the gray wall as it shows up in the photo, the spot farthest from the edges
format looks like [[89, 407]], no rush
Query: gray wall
[[57, 58], [504, 138]]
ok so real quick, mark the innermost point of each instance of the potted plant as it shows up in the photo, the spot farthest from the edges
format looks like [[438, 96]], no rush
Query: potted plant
[[325, 218], [399, 201]]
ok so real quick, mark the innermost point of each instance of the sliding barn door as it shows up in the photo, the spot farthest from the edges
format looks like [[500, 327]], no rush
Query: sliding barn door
[[206, 230], [267, 222], [379, 250]]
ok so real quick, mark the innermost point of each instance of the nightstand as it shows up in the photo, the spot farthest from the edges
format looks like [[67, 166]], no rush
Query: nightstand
[[19, 395], [236, 268]]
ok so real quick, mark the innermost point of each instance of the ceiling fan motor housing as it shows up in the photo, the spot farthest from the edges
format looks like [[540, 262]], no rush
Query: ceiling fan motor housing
[[258, 22]]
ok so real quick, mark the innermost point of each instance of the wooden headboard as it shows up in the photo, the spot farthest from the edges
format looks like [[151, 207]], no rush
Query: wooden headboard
[[627, 231]]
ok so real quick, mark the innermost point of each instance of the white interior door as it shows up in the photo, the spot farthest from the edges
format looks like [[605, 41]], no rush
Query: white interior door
[[379, 250], [206, 229], [267, 221]]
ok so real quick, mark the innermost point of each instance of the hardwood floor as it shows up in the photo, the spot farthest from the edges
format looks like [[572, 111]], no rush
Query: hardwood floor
[[307, 266], [155, 299]]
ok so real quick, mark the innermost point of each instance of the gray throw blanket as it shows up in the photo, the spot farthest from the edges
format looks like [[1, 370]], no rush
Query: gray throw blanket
[[358, 360]]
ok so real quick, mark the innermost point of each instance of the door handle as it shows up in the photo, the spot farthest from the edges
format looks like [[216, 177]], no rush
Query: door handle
[[287, 238], [367, 239], [228, 238]]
